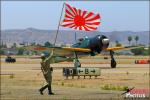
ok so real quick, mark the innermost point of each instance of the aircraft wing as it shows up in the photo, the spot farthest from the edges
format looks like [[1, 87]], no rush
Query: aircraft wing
[[58, 51], [122, 48], [69, 51]]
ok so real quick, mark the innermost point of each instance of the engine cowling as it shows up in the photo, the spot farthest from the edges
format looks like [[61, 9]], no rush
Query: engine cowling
[[98, 43]]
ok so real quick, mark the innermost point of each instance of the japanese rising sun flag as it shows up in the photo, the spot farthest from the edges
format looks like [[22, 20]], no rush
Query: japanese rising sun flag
[[79, 19]]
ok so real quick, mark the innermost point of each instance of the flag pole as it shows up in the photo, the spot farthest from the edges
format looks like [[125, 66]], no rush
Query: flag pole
[[59, 24], [75, 37]]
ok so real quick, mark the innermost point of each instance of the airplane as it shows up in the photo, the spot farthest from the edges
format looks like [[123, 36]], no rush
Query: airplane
[[84, 47]]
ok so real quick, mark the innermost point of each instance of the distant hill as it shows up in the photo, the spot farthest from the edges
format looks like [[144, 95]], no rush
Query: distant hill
[[66, 36]]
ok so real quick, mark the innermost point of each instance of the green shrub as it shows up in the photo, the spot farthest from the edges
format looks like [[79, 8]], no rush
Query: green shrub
[[127, 73], [114, 87], [82, 86], [119, 88], [11, 76], [62, 83], [125, 88], [70, 85], [64, 98], [105, 87]]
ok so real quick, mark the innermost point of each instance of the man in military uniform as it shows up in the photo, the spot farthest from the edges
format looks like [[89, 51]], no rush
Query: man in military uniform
[[47, 73]]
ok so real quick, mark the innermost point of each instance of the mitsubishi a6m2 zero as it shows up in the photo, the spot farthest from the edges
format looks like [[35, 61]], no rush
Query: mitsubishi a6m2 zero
[[86, 21], [85, 47]]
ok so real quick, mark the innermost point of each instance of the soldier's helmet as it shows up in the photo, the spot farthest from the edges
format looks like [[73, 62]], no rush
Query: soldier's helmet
[[43, 56]]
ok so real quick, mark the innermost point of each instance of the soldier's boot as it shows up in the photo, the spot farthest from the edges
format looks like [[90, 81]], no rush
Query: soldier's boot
[[42, 89], [50, 90]]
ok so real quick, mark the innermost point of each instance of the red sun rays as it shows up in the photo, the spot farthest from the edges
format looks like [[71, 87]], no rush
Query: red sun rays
[[80, 20]]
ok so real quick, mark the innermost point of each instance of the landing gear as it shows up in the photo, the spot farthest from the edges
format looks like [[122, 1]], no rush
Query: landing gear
[[113, 62], [76, 61]]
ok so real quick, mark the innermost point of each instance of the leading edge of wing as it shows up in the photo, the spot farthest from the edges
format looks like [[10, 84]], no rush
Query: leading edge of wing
[[42, 48], [76, 49], [123, 48]]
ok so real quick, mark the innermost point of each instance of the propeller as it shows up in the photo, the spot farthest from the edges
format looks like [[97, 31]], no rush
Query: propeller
[[98, 43]]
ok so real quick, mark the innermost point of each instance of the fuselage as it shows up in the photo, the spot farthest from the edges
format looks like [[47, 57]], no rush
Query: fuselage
[[95, 44]]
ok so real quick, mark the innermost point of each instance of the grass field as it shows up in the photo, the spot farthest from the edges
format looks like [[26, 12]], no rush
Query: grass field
[[21, 80]]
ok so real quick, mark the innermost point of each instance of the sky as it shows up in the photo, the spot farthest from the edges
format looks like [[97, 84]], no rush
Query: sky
[[115, 15]]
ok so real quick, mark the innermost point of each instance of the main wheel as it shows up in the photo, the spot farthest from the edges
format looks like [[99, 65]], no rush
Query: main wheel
[[113, 63], [77, 63]]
